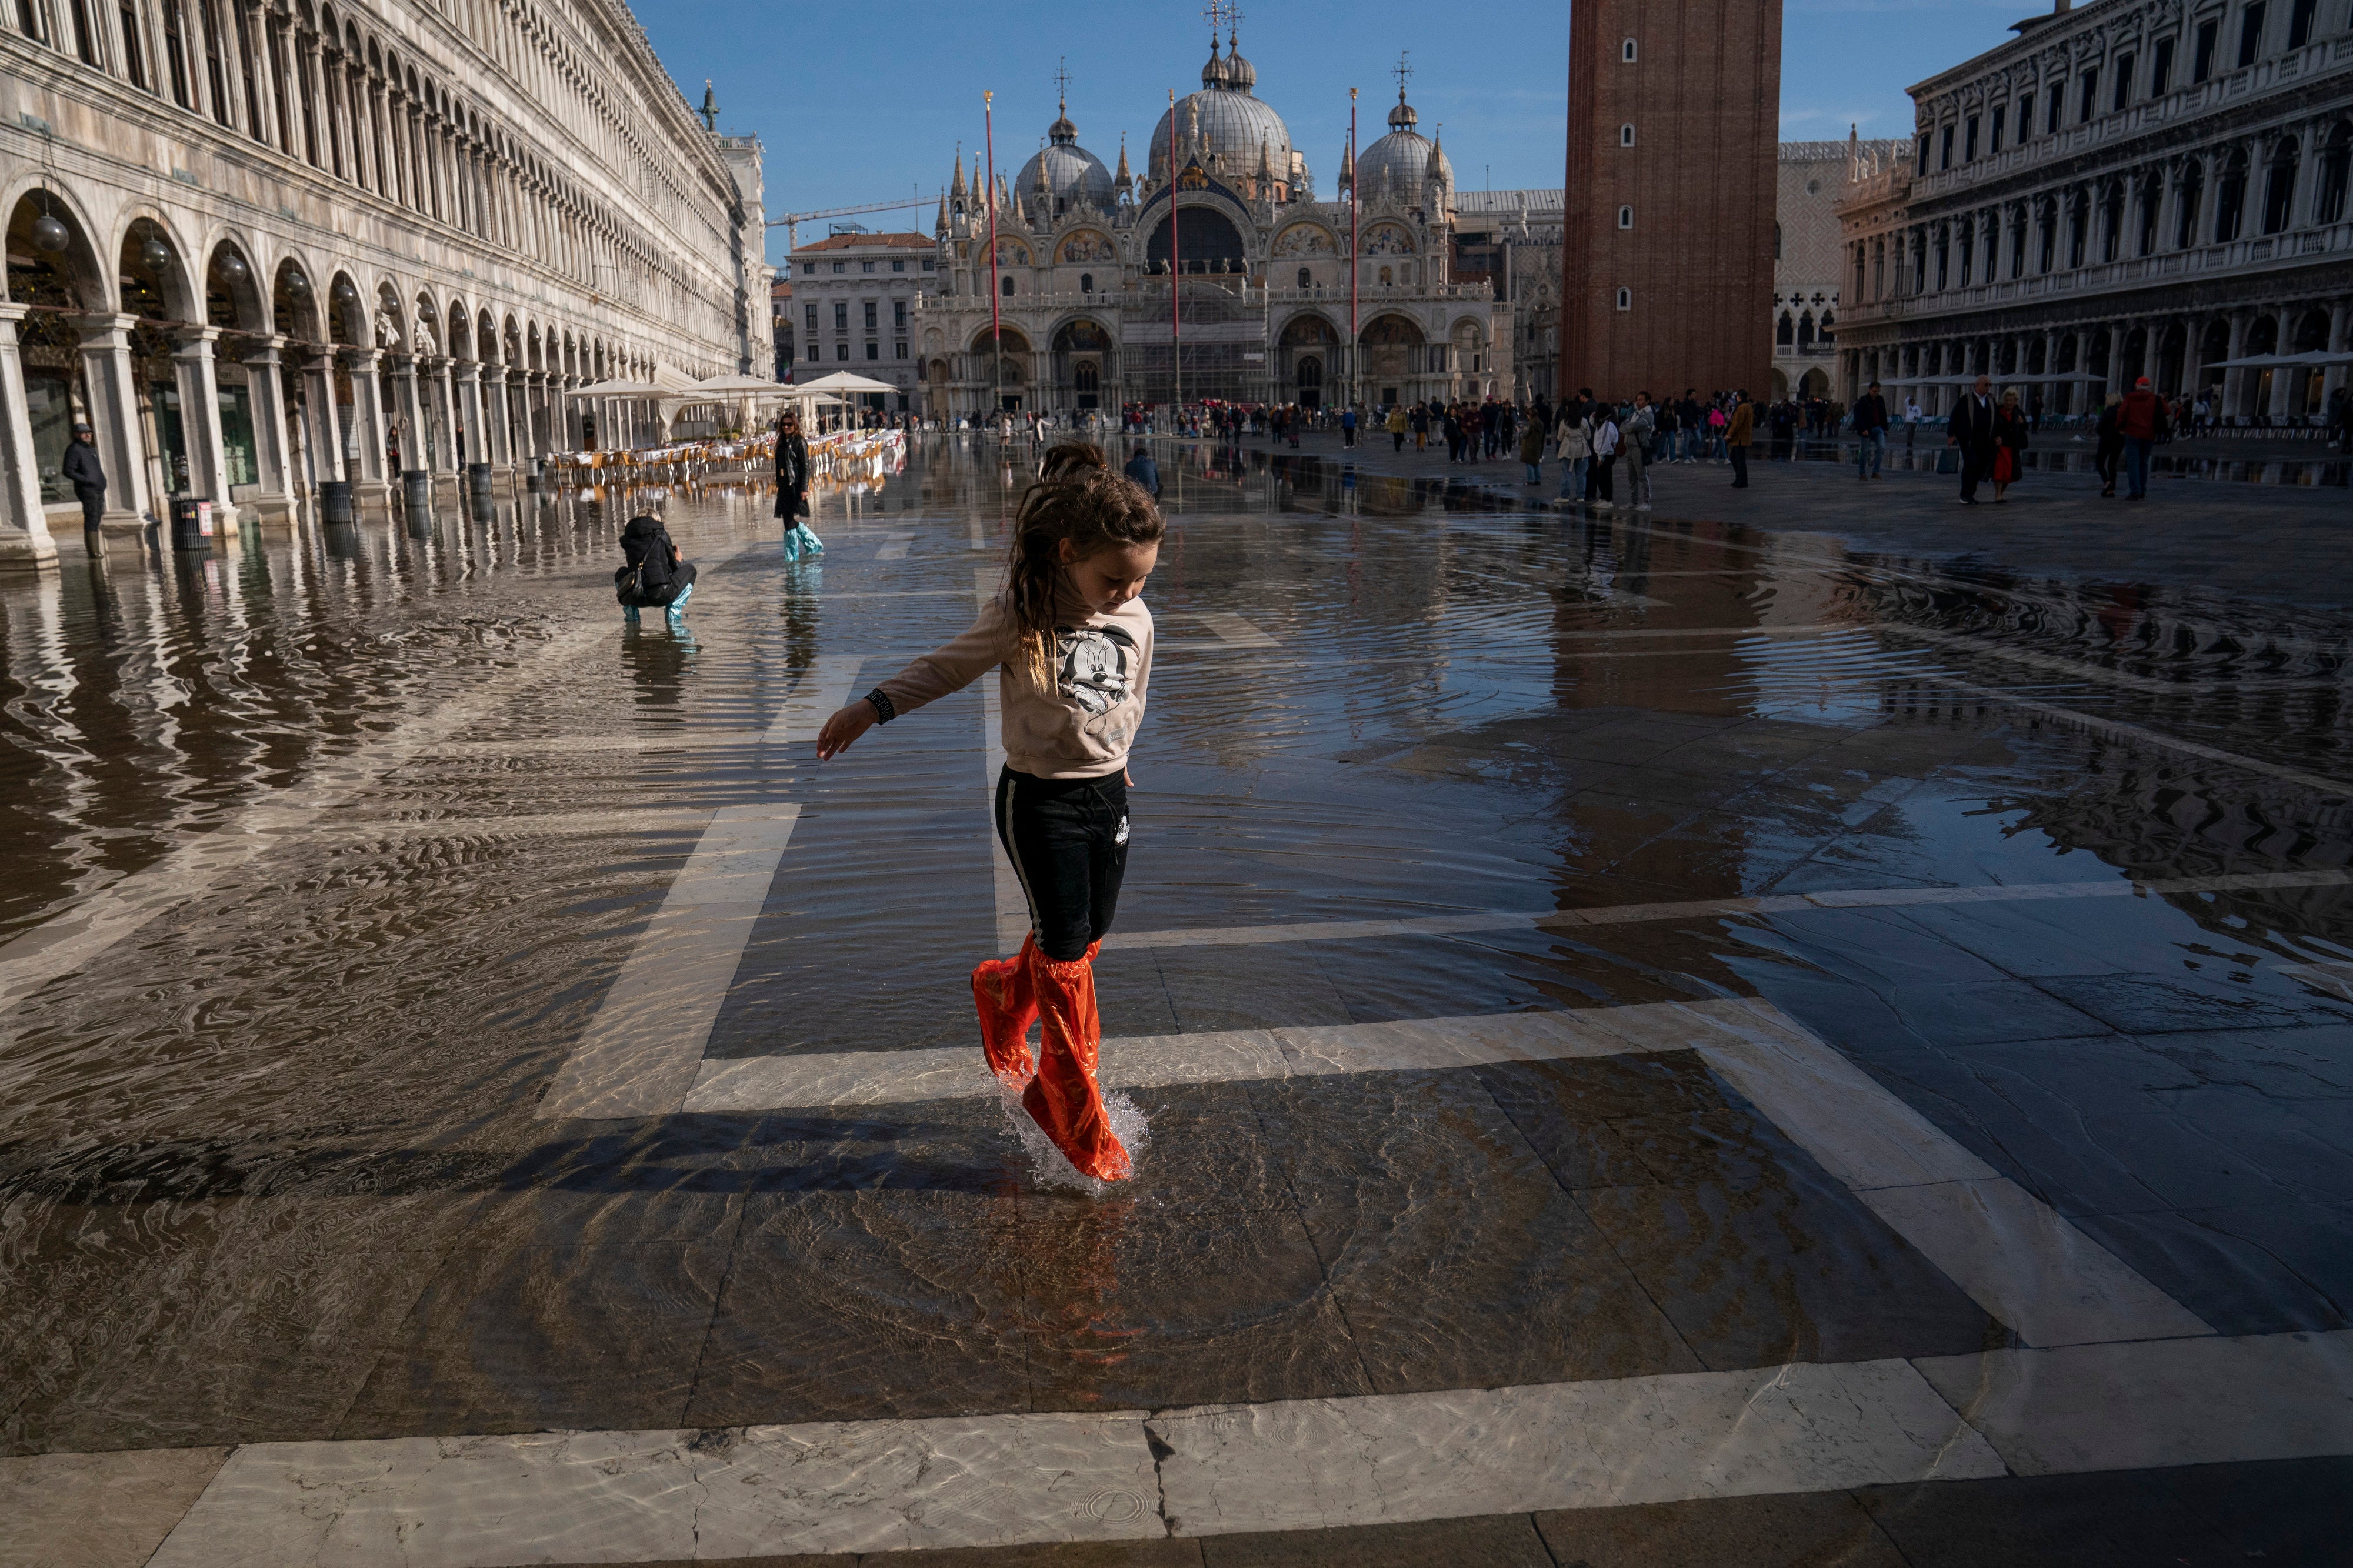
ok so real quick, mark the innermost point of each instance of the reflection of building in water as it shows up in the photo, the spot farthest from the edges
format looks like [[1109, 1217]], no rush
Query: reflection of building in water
[[2127, 188], [1083, 271]]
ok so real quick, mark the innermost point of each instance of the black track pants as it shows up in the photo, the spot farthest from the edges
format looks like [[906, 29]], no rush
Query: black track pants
[[1067, 841]]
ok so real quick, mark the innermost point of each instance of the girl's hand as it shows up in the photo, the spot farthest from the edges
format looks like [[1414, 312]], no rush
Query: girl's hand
[[845, 725]]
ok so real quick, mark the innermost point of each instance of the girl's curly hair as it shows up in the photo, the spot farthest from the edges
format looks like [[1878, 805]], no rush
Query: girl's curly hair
[[1079, 498]]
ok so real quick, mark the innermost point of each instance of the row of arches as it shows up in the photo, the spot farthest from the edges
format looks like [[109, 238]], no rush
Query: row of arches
[[2076, 367], [1080, 363], [211, 359]]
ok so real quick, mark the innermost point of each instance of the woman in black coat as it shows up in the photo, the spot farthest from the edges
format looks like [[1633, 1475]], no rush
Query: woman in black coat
[[652, 571], [792, 486]]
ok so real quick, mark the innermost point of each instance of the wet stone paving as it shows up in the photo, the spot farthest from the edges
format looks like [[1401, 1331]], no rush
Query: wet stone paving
[[1658, 1040]]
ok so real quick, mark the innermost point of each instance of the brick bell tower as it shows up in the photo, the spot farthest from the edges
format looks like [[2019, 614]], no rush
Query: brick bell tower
[[1667, 247]]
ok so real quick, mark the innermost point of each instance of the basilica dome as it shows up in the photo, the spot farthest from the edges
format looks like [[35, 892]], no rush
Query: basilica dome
[[1233, 122], [1401, 157], [1072, 173]]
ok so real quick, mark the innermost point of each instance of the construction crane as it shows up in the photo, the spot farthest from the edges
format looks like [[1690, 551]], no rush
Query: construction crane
[[790, 222]]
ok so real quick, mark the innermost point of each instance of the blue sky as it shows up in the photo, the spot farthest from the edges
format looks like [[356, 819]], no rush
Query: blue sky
[[862, 103]]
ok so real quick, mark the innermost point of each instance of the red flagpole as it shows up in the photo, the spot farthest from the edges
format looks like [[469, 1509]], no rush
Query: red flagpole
[[996, 320], [1175, 270], [1356, 349]]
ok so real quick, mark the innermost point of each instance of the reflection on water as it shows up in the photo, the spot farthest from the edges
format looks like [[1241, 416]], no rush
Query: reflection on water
[[314, 1080]]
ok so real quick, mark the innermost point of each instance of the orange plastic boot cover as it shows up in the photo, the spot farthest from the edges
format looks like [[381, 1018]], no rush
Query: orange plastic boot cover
[[1063, 1099], [1007, 1003]]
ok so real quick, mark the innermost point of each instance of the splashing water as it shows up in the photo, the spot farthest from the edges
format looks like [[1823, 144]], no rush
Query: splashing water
[[1051, 1166]]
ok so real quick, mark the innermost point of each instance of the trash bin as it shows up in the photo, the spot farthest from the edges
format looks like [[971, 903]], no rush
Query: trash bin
[[416, 490], [191, 522], [334, 500], [478, 479]]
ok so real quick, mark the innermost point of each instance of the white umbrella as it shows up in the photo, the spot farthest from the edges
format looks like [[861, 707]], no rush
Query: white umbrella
[[620, 389], [843, 381]]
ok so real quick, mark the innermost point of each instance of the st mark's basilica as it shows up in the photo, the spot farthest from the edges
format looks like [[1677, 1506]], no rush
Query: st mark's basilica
[[1083, 271]]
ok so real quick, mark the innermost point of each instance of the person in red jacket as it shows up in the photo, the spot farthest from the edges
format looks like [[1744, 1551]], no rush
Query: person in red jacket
[[2140, 419]]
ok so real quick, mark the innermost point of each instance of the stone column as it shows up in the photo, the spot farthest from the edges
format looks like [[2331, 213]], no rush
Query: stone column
[[438, 450], [498, 441], [2283, 382], [369, 481], [200, 424], [326, 426], [2333, 377], [114, 420], [405, 415], [2234, 382], [272, 462], [25, 541], [559, 413], [469, 381]]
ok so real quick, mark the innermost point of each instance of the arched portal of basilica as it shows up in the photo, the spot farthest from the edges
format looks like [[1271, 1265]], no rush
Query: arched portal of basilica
[[1216, 275]]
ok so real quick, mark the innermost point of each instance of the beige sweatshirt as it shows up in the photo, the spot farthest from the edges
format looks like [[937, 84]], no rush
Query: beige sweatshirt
[[1082, 728]]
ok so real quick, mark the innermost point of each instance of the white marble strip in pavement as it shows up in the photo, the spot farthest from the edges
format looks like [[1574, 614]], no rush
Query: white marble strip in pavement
[[2025, 1264], [639, 1054], [1000, 1481], [1703, 909], [2156, 1404], [814, 698], [1232, 630], [894, 547], [2134, 735]]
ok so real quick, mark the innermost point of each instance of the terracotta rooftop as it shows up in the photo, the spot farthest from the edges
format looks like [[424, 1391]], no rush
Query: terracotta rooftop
[[863, 241]]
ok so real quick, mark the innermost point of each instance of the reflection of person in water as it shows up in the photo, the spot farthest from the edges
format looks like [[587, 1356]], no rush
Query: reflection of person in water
[[1071, 640]]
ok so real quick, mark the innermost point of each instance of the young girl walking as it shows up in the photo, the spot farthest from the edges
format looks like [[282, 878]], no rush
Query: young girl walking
[[1071, 642]]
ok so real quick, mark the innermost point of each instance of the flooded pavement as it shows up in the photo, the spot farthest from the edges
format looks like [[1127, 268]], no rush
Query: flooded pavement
[[1656, 1034]]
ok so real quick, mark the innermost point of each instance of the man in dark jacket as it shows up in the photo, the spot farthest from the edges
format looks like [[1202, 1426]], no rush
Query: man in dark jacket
[[2141, 420], [87, 475], [1870, 433], [1971, 429]]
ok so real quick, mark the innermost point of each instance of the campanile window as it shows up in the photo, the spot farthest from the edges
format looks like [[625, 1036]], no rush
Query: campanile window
[[1625, 135], [1625, 51]]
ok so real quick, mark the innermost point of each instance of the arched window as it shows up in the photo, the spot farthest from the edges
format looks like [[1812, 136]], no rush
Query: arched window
[[1823, 333], [1805, 330], [1625, 299], [2193, 185], [1388, 278], [1086, 282], [1625, 51], [2336, 162], [2230, 200], [1008, 283], [2279, 186], [1786, 333], [1625, 135], [1302, 278], [1625, 217]]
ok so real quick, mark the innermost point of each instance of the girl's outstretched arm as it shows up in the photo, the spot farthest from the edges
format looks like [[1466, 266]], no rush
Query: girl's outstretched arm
[[845, 725], [951, 667]]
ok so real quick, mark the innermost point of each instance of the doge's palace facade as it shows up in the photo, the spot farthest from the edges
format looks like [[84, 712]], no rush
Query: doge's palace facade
[[262, 247]]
